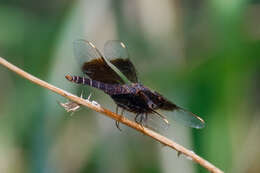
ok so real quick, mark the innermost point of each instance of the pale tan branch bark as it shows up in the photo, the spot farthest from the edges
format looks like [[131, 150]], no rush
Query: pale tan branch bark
[[121, 119]]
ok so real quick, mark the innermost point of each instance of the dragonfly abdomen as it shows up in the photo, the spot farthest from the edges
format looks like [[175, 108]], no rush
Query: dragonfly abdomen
[[110, 89]]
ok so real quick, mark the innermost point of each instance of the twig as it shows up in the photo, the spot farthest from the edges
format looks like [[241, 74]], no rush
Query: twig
[[162, 139]]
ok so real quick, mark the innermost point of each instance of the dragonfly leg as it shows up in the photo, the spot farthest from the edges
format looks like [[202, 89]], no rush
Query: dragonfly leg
[[145, 118], [117, 122], [136, 117], [117, 125], [116, 109], [141, 119]]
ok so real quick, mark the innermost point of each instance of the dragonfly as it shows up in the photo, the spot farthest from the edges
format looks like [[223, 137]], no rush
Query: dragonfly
[[115, 75]]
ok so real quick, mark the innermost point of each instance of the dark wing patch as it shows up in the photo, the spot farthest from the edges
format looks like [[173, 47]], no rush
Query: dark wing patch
[[98, 69], [160, 101], [126, 67], [180, 115]]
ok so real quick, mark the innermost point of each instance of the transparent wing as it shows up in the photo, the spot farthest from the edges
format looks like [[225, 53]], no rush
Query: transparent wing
[[116, 52], [115, 49], [187, 118], [85, 51], [156, 123]]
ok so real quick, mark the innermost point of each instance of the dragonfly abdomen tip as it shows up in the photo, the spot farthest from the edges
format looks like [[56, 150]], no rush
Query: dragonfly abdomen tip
[[69, 77]]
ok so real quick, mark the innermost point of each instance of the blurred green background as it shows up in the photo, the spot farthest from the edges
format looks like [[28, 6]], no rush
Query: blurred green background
[[203, 55]]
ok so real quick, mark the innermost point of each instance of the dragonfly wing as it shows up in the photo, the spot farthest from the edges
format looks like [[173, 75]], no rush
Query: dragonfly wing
[[85, 51], [188, 119], [180, 115], [116, 52], [115, 49], [156, 123], [93, 64]]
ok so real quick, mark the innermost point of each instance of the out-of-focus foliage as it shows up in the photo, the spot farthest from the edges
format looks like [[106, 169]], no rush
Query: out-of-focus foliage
[[203, 55]]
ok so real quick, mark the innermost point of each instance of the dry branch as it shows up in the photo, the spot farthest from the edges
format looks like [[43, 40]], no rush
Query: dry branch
[[162, 139]]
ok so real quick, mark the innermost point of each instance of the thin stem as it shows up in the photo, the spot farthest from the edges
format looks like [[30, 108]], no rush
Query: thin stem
[[162, 139]]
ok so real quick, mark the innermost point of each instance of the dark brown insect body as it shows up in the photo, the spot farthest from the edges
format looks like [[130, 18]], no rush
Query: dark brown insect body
[[117, 78], [134, 97]]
